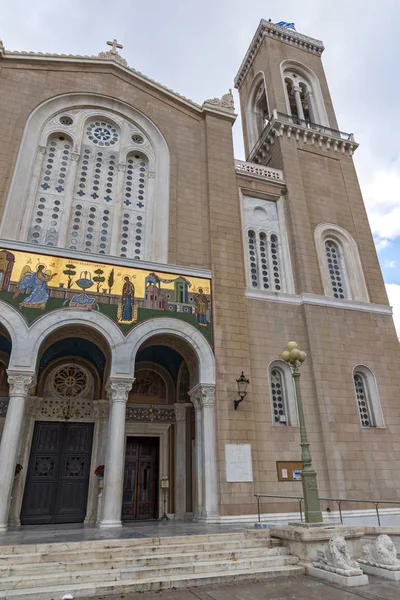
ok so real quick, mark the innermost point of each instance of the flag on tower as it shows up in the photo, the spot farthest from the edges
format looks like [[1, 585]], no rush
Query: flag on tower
[[286, 25]]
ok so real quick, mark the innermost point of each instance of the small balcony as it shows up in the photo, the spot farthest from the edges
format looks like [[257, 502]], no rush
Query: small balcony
[[301, 130]]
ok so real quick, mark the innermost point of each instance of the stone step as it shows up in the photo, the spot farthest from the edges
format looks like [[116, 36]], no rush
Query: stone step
[[102, 588], [161, 572], [146, 559], [247, 534], [60, 553]]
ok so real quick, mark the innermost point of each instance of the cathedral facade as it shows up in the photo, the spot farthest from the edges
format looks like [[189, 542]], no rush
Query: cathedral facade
[[143, 269]]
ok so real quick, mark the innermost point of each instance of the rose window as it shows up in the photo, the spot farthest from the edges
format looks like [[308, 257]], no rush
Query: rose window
[[102, 133], [70, 381]]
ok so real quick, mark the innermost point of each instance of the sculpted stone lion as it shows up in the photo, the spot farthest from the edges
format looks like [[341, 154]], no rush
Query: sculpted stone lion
[[381, 553], [335, 558]]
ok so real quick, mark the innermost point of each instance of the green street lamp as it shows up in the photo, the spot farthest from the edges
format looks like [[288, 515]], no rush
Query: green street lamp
[[295, 358]]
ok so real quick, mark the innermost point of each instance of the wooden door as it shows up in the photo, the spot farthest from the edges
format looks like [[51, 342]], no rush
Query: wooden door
[[140, 498], [58, 473]]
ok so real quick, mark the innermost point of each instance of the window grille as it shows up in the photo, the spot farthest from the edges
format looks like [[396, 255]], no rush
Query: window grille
[[335, 269], [363, 400]]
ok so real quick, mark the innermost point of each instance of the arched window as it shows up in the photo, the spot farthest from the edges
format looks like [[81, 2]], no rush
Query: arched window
[[369, 406], [335, 267], [135, 198], [268, 264], [92, 176], [257, 111], [304, 99], [51, 191], [283, 398], [340, 264]]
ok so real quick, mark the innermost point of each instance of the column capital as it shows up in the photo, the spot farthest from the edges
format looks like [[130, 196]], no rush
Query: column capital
[[203, 394], [20, 382], [118, 388]]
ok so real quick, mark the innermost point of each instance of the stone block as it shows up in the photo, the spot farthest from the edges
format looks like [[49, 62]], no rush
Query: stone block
[[341, 580]]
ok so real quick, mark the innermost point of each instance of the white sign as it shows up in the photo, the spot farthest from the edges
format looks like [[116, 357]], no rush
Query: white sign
[[238, 462]]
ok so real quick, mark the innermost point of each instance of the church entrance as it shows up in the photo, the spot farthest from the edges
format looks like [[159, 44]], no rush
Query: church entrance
[[140, 497], [57, 481]]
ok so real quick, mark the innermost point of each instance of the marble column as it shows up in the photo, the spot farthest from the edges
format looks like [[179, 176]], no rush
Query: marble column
[[204, 396], [299, 105], [20, 384], [118, 389], [198, 458], [180, 461]]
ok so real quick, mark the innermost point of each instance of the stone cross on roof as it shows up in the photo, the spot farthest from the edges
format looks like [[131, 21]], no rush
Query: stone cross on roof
[[114, 45]]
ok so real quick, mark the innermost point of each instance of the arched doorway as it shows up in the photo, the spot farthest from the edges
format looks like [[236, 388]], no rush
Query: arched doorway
[[63, 432], [5, 350]]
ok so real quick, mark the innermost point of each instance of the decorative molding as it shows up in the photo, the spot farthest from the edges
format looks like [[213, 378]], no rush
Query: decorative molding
[[79, 59], [115, 261], [113, 55], [258, 171], [75, 156], [226, 102], [20, 383], [150, 414], [42, 149], [287, 36], [118, 389], [318, 300], [202, 395], [122, 167], [58, 408]]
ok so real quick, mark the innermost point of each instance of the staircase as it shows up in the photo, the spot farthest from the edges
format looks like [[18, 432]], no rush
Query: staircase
[[98, 568]]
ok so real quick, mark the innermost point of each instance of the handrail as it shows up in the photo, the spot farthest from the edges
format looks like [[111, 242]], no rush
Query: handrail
[[339, 502]]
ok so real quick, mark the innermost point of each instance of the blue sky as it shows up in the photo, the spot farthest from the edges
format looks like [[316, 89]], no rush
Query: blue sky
[[196, 48]]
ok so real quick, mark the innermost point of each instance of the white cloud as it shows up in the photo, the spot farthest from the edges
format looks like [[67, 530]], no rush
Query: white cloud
[[382, 197], [381, 244], [393, 291], [390, 264]]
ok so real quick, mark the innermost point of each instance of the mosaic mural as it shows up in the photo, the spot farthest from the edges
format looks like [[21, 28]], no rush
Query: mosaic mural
[[37, 283]]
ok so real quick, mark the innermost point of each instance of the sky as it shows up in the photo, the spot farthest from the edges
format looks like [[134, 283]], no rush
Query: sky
[[196, 49]]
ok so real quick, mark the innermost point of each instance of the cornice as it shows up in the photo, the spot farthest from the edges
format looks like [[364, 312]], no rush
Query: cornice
[[312, 134], [317, 300], [281, 34]]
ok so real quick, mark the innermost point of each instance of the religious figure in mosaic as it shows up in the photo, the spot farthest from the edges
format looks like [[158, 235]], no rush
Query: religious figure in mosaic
[[36, 283], [128, 298], [201, 307]]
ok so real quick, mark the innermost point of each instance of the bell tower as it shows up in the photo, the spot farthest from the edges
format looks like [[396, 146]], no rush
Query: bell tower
[[337, 303]]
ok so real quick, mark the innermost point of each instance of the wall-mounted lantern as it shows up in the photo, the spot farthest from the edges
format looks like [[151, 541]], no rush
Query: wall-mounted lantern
[[242, 384]]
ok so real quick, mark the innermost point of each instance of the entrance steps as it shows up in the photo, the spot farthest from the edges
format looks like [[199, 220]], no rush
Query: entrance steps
[[98, 568]]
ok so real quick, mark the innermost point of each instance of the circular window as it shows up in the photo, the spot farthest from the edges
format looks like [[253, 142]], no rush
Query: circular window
[[70, 381], [137, 139], [102, 134]]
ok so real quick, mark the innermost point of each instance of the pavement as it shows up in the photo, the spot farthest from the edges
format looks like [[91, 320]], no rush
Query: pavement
[[294, 588]]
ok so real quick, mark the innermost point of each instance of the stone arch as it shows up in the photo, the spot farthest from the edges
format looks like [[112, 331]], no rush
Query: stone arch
[[253, 120], [19, 200], [318, 105], [17, 328], [350, 257], [56, 320], [165, 326]]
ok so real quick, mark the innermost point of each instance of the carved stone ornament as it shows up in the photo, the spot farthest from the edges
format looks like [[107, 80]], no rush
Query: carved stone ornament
[[20, 383], [109, 55], [335, 558], [381, 553], [2, 48], [57, 408], [42, 149], [118, 390], [202, 395], [226, 102], [70, 381], [150, 414]]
